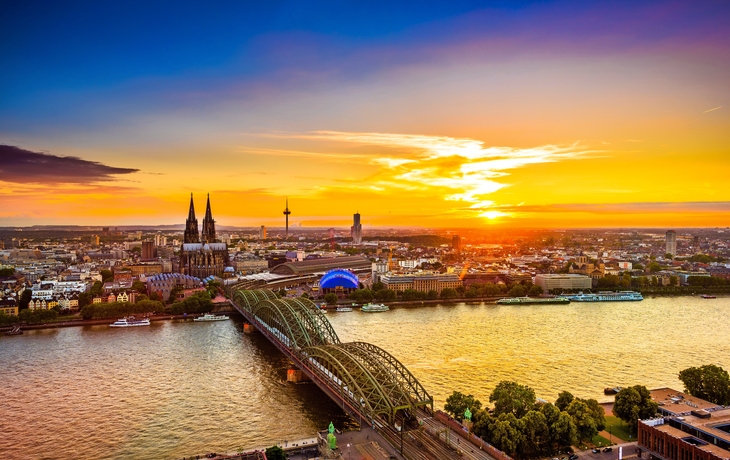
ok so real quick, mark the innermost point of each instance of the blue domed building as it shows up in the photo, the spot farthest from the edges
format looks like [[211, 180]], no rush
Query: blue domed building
[[339, 281]]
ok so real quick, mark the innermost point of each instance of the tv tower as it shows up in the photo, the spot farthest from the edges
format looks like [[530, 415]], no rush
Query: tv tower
[[286, 213]]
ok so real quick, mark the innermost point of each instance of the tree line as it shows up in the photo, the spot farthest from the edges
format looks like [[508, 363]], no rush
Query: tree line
[[523, 427], [520, 425]]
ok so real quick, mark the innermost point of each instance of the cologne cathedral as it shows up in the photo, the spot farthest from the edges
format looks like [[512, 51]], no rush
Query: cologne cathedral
[[201, 255]]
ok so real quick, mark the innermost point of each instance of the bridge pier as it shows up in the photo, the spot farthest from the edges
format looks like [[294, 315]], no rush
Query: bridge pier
[[296, 376]]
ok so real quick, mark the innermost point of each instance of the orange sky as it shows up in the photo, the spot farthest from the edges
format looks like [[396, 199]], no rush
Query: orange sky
[[522, 127]]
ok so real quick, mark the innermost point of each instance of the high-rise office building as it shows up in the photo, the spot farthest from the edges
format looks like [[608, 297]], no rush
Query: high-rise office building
[[456, 243], [671, 243], [356, 229], [148, 250], [262, 232]]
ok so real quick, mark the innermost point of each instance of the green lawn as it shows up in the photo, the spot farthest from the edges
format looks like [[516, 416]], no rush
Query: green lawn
[[618, 428], [600, 441]]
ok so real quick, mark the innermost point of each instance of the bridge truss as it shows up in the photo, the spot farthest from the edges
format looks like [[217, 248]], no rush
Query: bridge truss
[[373, 382]]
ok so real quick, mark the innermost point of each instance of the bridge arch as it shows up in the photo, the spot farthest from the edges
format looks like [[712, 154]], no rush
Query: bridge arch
[[372, 380]]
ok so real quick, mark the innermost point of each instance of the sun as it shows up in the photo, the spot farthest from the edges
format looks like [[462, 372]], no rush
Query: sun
[[491, 215]]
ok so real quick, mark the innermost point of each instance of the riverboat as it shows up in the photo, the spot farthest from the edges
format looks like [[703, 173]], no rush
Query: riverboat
[[708, 296], [533, 300], [14, 331], [210, 317], [611, 391], [343, 309], [603, 296], [374, 307], [130, 322]]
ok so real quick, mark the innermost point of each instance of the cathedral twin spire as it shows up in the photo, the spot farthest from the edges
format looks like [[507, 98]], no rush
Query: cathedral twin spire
[[191, 225]]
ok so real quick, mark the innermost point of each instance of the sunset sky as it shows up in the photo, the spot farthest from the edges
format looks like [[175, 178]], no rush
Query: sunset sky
[[520, 114]]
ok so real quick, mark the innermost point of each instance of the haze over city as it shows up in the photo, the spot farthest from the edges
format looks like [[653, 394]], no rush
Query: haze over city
[[516, 114]]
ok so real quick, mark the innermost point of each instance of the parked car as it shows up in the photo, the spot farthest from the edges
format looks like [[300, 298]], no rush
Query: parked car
[[596, 451], [608, 449], [573, 457]]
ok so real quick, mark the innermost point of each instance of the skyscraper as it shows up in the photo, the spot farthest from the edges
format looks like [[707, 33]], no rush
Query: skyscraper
[[456, 243], [671, 242], [286, 213], [356, 229], [262, 233]]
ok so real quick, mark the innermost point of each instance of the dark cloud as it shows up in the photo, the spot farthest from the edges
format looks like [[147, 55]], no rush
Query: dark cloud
[[23, 166]]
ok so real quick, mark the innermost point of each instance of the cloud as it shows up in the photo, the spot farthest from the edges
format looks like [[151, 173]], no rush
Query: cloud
[[460, 169], [642, 208], [23, 166]]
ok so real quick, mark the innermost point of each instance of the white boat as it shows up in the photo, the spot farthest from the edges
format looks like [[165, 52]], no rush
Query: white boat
[[374, 307], [341, 309], [621, 296], [130, 322], [210, 317]]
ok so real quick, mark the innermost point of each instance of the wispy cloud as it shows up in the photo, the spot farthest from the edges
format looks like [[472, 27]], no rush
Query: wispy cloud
[[711, 110], [461, 169], [23, 166]]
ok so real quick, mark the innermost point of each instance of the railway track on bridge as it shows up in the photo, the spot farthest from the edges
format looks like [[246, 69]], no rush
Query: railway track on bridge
[[368, 382]]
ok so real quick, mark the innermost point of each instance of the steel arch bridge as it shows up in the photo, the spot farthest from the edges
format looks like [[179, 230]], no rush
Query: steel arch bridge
[[372, 382]]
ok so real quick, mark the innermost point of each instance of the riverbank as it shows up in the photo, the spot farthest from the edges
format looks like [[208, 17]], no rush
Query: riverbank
[[493, 299], [95, 322]]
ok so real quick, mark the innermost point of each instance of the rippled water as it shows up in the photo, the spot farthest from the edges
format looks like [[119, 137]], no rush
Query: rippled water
[[183, 388]]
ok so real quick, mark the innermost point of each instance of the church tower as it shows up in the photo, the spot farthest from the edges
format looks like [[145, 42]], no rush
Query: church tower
[[208, 225], [191, 225]]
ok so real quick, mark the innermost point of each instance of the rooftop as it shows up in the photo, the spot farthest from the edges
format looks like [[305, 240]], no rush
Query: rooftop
[[674, 402]]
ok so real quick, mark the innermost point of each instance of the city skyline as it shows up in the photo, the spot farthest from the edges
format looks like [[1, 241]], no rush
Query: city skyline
[[522, 114]]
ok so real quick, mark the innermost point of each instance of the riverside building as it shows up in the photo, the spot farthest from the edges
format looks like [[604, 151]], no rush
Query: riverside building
[[422, 282], [550, 281], [689, 428]]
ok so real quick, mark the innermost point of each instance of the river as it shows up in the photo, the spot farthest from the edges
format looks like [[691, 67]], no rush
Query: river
[[179, 388]]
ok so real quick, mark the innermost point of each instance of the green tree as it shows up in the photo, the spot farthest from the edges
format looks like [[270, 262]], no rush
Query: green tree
[[507, 433], [96, 289], [106, 276], [583, 419], [654, 267], [638, 267], [634, 403], [551, 413], [535, 290], [330, 298], [448, 293], [517, 290], [668, 256], [432, 294], [673, 280], [608, 282], [275, 453], [378, 286], [140, 287], [84, 299], [564, 400], [7, 271], [564, 432], [535, 432], [25, 298], [708, 382], [457, 403], [597, 412], [512, 398]]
